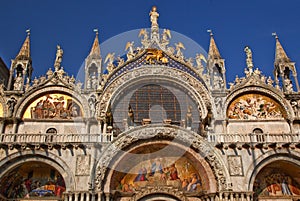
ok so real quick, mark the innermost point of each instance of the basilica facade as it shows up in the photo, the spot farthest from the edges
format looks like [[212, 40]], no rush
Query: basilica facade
[[150, 125]]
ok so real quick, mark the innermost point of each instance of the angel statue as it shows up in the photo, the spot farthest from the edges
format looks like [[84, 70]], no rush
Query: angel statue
[[145, 40], [166, 35], [129, 47], [199, 58], [58, 59], [178, 47], [109, 59]]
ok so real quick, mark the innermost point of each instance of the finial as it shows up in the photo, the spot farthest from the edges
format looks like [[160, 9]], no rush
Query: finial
[[275, 34], [210, 32], [249, 62], [96, 31], [28, 32]]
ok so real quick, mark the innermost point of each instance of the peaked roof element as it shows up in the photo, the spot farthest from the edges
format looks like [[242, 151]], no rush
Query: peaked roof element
[[25, 49], [95, 50], [280, 55], [213, 52]]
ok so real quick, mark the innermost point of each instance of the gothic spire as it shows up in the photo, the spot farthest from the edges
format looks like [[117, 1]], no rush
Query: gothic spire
[[95, 50], [24, 53], [280, 55], [213, 52]]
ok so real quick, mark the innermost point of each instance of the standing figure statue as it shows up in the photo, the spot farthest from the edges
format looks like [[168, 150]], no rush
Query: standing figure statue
[[92, 104], [130, 117], [189, 118], [249, 62], [153, 16], [11, 106], [59, 55]]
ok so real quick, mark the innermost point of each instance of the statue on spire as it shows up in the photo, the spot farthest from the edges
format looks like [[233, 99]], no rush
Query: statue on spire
[[154, 25], [58, 60], [153, 16], [249, 62]]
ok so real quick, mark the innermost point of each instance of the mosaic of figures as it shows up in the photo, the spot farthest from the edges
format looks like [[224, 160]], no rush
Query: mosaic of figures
[[276, 183], [32, 180], [163, 171], [53, 106], [254, 106]]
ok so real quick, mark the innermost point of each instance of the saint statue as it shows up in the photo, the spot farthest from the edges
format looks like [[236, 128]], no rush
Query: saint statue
[[248, 52], [58, 60], [11, 106], [130, 117], [153, 16]]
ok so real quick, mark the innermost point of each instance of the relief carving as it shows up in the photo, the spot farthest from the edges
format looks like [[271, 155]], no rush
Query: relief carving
[[235, 165], [83, 165]]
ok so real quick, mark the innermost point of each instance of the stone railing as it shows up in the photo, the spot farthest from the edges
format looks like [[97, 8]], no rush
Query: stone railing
[[82, 196], [99, 196], [228, 196], [253, 138], [55, 138]]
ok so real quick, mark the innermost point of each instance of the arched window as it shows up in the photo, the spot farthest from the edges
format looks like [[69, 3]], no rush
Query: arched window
[[259, 134], [51, 130]]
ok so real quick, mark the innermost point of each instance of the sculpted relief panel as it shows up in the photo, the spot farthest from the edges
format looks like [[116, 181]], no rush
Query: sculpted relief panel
[[53, 106], [255, 106]]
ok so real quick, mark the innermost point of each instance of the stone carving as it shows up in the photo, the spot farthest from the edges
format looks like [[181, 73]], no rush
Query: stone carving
[[155, 55], [11, 106], [172, 132], [109, 59], [130, 117], [249, 59], [189, 118], [178, 47], [120, 61], [218, 103], [296, 106], [199, 59], [83, 165], [92, 105], [145, 39], [58, 59], [18, 84], [288, 85], [254, 106], [129, 47], [153, 16], [159, 189], [165, 38], [53, 106], [235, 165]]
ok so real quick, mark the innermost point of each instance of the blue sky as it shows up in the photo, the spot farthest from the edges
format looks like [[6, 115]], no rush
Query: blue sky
[[70, 23]]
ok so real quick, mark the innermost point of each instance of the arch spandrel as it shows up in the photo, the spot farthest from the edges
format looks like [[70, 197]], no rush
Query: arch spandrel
[[143, 74], [128, 140]]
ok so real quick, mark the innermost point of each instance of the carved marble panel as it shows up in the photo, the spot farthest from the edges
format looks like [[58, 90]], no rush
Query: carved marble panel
[[235, 165], [83, 165]]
